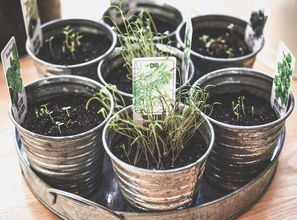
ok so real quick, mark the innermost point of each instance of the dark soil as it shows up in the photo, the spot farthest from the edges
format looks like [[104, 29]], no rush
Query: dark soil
[[92, 46], [223, 39], [223, 112], [78, 121], [161, 25], [194, 149], [118, 77]]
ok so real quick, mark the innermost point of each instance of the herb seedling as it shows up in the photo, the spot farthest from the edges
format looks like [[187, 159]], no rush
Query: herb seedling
[[59, 124], [66, 108], [49, 41], [239, 108], [71, 41]]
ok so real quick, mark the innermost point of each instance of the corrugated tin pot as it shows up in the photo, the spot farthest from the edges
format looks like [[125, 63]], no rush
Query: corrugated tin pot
[[112, 61], [87, 69], [241, 152], [165, 12], [72, 163], [158, 190], [205, 64]]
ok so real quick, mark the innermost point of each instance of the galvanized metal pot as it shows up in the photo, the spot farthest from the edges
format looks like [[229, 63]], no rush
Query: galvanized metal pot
[[241, 152], [205, 64], [71, 163], [87, 69], [158, 190], [114, 60], [163, 11]]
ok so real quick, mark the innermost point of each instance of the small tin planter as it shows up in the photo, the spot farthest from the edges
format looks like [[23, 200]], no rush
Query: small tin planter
[[240, 152], [158, 190], [115, 59], [71, 163], [205, 64], [86, 69], [165, 12]]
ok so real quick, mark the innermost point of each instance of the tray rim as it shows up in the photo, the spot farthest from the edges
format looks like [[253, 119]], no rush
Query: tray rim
[[270, 167]]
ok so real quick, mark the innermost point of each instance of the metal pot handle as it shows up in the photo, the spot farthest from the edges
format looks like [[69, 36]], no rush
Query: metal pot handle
[[76, 207]]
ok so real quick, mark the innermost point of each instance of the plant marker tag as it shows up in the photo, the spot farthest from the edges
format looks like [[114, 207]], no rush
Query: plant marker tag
[[282, 79], [254, 31], [32, 24], [11, 66], [187, 50], [153, 78]]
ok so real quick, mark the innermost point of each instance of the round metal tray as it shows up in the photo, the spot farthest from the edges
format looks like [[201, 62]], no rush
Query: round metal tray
[[108, 203]]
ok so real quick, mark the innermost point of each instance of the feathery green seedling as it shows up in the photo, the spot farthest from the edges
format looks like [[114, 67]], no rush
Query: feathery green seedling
[[49, 41]]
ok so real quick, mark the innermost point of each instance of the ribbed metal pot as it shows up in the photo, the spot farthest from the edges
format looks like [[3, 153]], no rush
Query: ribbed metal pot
[[158, 190], [112, 61], [205, 64], [86, 69], [72, 163], [240, 152], [163, 11]]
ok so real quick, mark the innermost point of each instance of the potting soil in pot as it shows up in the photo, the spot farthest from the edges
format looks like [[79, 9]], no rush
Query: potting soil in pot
[[242, 109], [220, 42], [62, 115], [192, 151], [90, 46]]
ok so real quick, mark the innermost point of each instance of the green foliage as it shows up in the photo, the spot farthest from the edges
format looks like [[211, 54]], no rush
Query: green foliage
[[164, 137], [71, 41], [258, 20], [239, 108], [138, 38], [13, 75], [282, 80]]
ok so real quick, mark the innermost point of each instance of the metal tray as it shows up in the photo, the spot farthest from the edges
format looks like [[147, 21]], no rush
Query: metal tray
[[107, 203]]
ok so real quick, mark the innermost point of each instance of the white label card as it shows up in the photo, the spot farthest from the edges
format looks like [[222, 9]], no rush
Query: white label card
[[187, 50], [11, 66], [32, 24], [282, 79], [154, 83]]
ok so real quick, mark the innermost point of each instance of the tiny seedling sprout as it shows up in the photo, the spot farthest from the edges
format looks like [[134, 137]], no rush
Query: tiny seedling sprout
[[49, 41], [66, 108], [59, 124], [71, 41]]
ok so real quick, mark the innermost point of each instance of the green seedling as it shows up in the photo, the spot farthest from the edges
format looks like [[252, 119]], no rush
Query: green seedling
[[59, 124], [102, 98], [49, 41], [253, 111], [238, 108], [71, 41], [66, 108]]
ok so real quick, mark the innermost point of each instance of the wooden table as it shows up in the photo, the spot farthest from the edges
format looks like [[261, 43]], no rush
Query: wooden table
[[17, 201]]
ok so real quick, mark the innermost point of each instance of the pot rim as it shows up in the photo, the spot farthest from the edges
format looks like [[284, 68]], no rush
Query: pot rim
[[130, 95], [138, 169], [161, 4], [69, 137], [251, 72], [74, 20], [221, 17]]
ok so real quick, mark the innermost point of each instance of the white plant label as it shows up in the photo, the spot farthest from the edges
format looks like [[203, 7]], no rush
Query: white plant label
[[187, 50], [154, 83], [282, 79], [32, 24], [12, 71]]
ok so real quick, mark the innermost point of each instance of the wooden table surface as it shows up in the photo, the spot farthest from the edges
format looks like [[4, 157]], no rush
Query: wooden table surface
[[17, 201]]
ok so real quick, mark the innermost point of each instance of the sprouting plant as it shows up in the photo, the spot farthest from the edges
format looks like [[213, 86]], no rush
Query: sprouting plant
[[66, 108], [71, 41], [49, 41], [253, 111], [59, 124], [238, 108], [138, 38], [258, 20], [163, 137]]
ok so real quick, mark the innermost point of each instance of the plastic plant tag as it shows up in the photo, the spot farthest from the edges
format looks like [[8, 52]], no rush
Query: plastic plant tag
[[32, 24], [187, 50], [154, 83], [254, 31], [11, 66], [282, 79]]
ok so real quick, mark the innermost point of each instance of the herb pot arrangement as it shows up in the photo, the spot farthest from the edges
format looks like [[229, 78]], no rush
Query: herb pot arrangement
[[62, 131], [247, 128], [112, 70], [219, 42], [159, 164], [73, 46], [166, 17]]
